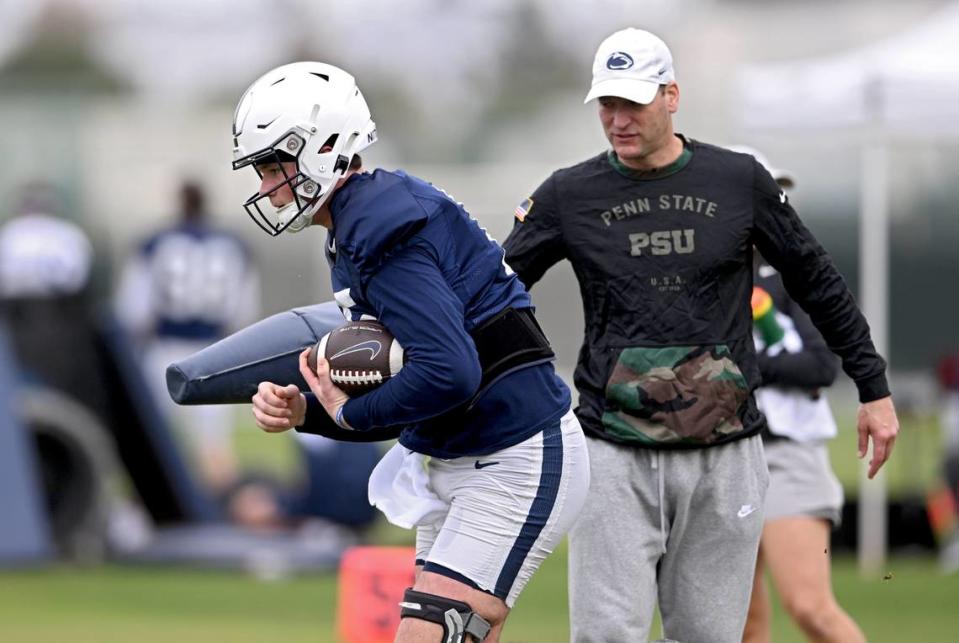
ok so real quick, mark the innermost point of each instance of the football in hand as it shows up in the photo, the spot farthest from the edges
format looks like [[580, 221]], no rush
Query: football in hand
[[362, 356]]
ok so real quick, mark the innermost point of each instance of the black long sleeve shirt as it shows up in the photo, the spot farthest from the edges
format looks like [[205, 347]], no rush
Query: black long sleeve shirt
[[664, 261]]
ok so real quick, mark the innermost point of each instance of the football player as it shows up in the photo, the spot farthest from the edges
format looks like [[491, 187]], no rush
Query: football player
[[508, 470], [188, 285]]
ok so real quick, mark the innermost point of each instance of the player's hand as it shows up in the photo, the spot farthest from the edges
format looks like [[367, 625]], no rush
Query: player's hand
[[877, 419], [278, 408], [329, 394]]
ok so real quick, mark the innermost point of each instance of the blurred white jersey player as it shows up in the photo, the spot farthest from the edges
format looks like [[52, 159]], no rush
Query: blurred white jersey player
[[41, 254], [186, 287], [46, 301]]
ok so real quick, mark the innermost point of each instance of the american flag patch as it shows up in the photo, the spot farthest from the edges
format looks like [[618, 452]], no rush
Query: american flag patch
[[523, 209]]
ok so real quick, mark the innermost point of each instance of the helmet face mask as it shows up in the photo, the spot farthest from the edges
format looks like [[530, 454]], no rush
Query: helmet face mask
[[312, 114], [293, 216]]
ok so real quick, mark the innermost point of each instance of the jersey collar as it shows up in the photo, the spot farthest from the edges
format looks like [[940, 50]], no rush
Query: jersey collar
[[657, 173]]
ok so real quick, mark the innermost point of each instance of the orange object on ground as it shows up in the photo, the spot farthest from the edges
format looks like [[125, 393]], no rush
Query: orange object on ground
[[942, 511], [371, 585]]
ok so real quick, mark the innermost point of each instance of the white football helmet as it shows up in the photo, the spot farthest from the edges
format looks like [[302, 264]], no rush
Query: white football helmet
[[292, 113], [782, 177]]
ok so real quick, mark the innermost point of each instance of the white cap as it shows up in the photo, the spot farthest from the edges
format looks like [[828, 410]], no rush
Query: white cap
[[631, 64], [783, 177]]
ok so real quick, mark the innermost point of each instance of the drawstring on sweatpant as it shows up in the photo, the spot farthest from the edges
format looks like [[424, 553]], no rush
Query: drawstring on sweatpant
[[658, 466]]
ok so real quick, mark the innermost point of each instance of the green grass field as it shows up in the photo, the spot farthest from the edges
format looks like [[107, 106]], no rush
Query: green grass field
[[115, 604], [122, 605]]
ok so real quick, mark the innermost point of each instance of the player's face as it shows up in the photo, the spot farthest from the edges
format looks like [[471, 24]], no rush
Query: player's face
[[637, 131], [273, 181]]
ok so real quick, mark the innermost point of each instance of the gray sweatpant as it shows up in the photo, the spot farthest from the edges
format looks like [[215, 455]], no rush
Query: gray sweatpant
[[683, 526]]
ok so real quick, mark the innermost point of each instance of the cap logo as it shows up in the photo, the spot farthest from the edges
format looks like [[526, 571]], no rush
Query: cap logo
[[618, 61]]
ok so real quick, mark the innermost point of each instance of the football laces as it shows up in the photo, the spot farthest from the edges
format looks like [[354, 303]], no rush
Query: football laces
[[356, 377]]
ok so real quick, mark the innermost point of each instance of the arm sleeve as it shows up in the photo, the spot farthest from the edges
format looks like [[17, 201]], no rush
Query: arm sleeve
[[318, 422], [811, 278], [813, 367], [536, 242], [442, 369]]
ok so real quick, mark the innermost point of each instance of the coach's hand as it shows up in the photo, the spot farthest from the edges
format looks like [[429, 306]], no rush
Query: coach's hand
[[329, 394], [877, 419], [278, 408]]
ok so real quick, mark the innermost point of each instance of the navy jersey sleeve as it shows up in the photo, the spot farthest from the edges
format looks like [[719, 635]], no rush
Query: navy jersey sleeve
[[812, 280], [813, 367], [442, 369], [536, 242]]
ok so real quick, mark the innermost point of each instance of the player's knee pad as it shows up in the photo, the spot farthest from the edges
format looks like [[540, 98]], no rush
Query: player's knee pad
[[457, 618]]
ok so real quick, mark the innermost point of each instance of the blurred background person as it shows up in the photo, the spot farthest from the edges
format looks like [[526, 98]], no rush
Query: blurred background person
[[42, 254], [45, 267], [948, 376], [188, 285], [261, 502], [945, 519], [804, 499]]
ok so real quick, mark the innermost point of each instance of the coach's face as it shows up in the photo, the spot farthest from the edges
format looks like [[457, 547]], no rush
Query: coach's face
[[638, 131]]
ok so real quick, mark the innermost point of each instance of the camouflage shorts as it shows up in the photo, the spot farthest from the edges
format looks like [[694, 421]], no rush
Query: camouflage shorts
[[674, 394]]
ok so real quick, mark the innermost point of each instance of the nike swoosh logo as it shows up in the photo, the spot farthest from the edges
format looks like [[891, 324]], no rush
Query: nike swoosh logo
[[766, 271], [373, 346], [745, 510], [265, 125], [483, 465]]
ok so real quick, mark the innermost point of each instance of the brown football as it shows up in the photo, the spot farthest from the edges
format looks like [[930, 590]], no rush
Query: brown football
[[362, 355]]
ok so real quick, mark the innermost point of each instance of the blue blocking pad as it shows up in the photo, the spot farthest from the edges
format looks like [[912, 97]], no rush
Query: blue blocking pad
[[229, 371]]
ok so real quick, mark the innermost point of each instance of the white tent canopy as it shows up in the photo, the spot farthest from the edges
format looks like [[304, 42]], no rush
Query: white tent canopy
[[903, 87], [905, 84]]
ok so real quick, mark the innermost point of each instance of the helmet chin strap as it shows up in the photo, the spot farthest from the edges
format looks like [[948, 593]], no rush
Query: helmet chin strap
[[290, 211], [301, 220]]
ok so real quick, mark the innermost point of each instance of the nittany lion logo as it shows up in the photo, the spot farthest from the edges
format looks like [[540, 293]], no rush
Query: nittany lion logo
[[618, 61]]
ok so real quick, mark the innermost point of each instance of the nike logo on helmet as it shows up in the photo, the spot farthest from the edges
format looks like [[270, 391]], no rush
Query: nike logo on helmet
[[372, 345]]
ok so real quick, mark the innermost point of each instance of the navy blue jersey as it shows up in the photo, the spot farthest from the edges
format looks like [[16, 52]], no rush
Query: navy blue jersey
[[189, 282], [406, 254]]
